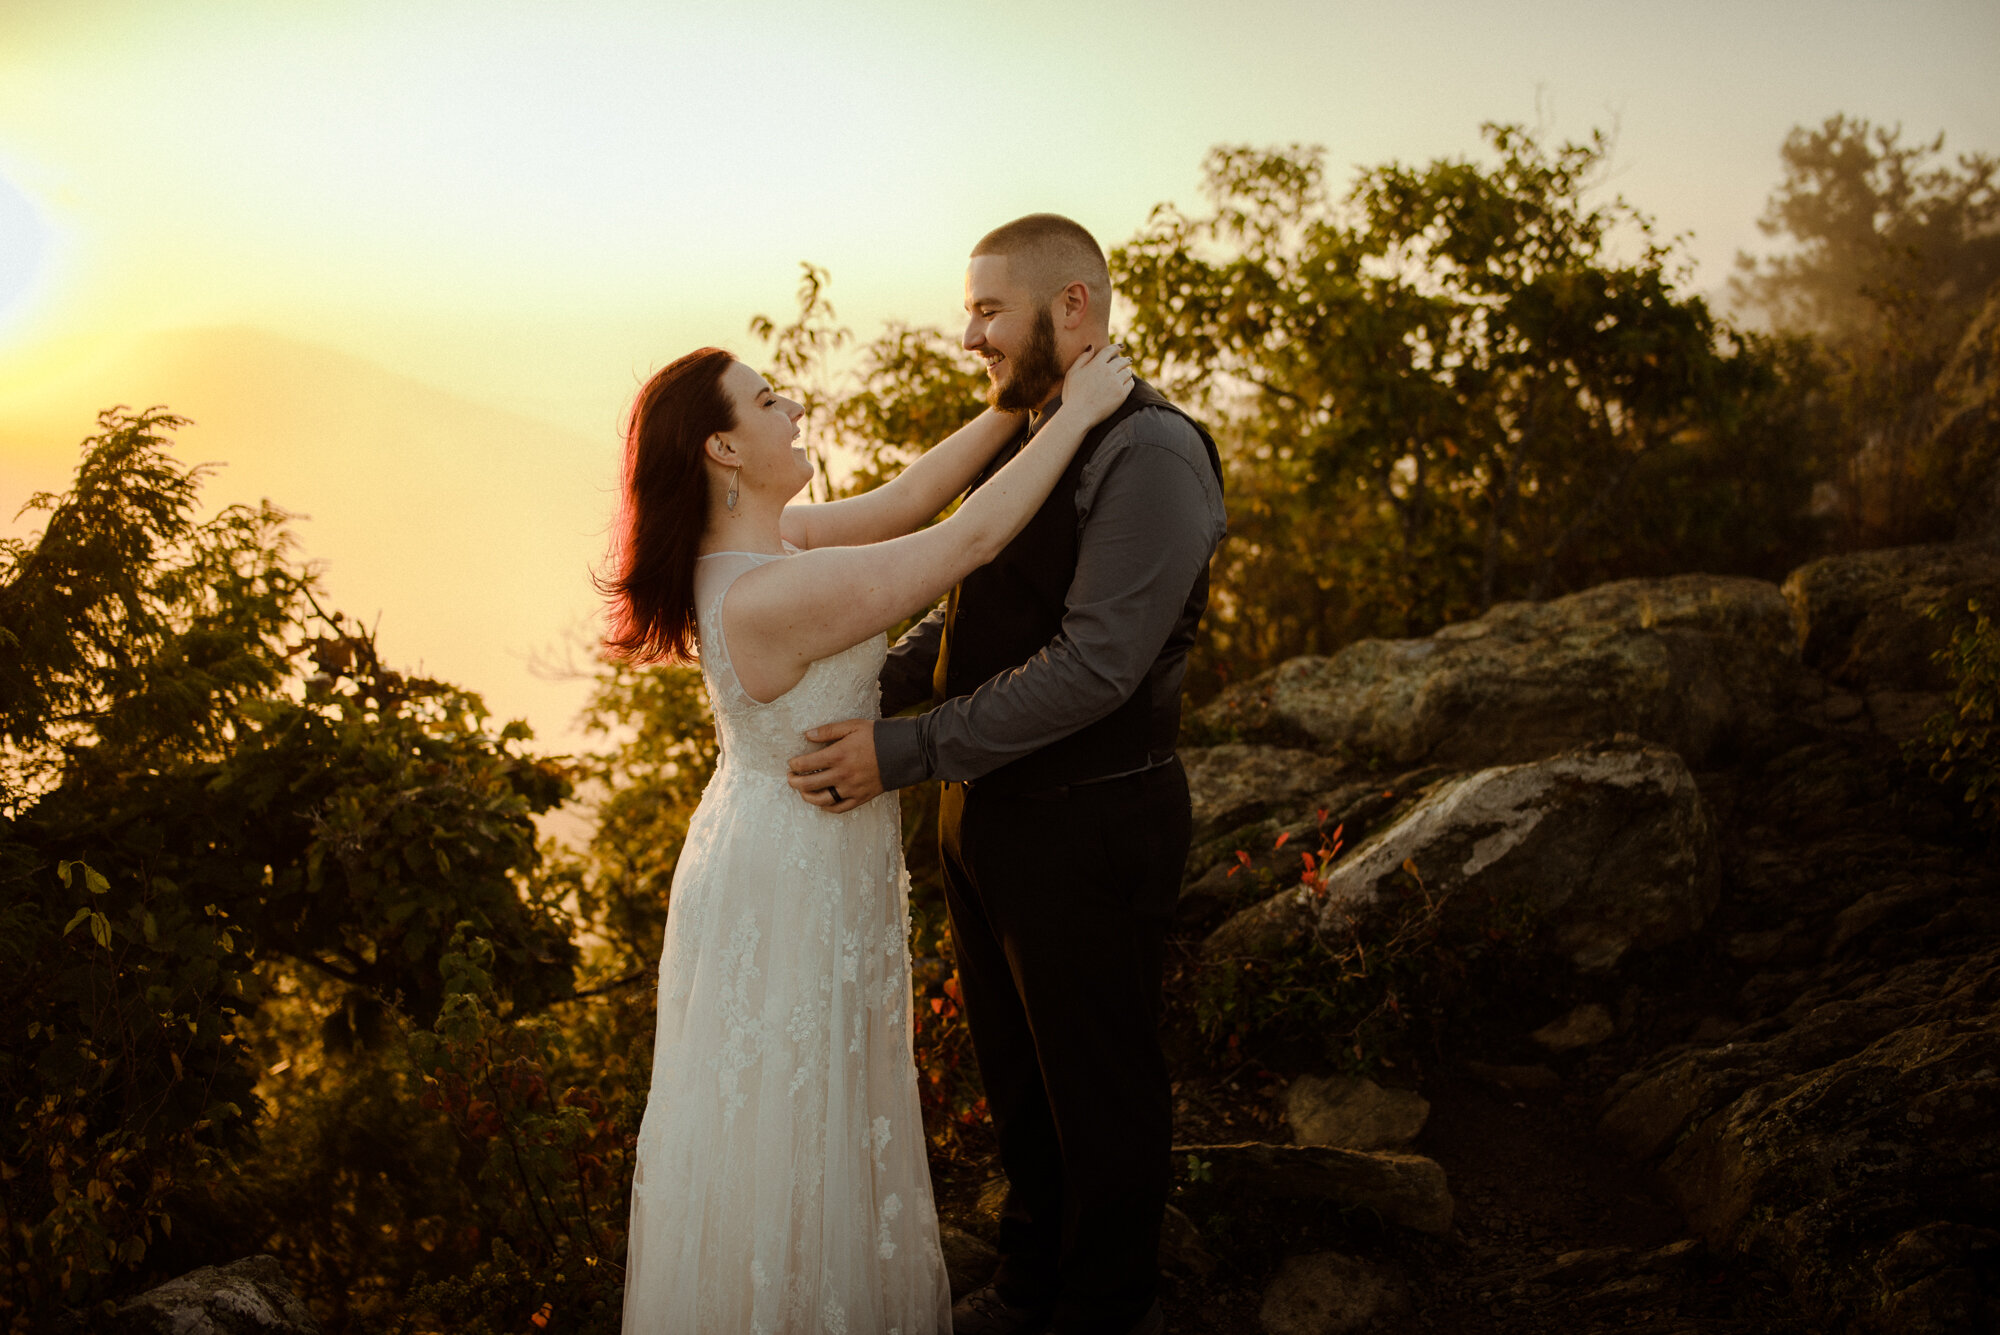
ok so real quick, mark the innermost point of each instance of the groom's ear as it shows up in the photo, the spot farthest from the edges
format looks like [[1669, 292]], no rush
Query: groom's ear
[[1072, 304]]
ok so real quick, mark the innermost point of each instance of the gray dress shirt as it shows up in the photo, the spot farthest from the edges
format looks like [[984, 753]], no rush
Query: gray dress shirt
[[1150, 510]]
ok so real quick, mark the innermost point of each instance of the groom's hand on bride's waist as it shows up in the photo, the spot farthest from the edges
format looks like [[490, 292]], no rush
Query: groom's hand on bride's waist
[[841, 775]]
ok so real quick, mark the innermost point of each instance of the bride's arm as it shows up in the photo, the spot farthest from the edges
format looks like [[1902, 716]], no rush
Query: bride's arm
[[909, 499], [781, 616]]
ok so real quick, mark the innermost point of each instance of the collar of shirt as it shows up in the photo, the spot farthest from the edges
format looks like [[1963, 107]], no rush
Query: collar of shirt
[[1037, 416]]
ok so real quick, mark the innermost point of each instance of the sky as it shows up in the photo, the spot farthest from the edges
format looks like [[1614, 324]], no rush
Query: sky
[[404, 264]]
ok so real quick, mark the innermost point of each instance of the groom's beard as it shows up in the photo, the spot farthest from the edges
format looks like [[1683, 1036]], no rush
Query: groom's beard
[[1037, 370]]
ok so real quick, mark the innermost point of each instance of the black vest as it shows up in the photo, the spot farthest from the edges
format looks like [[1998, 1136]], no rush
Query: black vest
[[1006, 613]]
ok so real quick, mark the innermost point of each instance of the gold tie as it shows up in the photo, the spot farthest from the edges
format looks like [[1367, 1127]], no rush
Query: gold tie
[[944, 647]]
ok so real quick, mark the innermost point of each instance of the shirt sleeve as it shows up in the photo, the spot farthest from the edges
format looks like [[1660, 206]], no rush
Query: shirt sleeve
[[1151, 514], [907, 675]]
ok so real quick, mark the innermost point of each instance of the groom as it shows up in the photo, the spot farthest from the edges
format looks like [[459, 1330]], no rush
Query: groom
[[1055, 673]]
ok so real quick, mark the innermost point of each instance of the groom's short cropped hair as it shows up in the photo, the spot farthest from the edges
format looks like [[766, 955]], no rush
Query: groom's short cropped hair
[[1047, 252]]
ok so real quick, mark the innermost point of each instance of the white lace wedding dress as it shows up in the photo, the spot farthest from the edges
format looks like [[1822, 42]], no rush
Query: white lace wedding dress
[[781, 1182]]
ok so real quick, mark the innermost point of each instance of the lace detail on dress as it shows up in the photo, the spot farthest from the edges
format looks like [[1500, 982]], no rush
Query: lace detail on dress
[[781, 1182]]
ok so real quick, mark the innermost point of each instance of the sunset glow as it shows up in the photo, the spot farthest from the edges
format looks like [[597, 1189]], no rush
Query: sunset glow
[[404, 264]]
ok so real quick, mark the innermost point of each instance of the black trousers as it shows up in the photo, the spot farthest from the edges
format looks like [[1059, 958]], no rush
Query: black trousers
[[1059, 908]]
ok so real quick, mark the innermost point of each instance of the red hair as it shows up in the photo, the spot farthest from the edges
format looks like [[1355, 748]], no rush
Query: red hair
[[662, 509]]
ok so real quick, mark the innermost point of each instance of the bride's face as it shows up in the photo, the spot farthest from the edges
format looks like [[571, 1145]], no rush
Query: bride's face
[[766, 435]]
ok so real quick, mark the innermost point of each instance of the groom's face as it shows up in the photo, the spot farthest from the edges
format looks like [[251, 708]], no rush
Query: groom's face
[[1013, 333]]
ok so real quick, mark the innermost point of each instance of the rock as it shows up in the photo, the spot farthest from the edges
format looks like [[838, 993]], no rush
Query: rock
[[1233, 784], [246, 1297], [1966, 437], [1756, 947], [1696, 663], [1353, 1113], [1858, 1124], [1181, 1246], [1518, 1078], [1250, 863], [1326, 1293], [992, 1200], [1405, 1189], [969, 1262], [1862, 623], [1586, 1266], [1934, 1272], [1597, 1280], [1901, 715], [1241, 870], [1713, 1029], [1837, 1118], [1585, 1027], [1870, 911], [1603, 849]]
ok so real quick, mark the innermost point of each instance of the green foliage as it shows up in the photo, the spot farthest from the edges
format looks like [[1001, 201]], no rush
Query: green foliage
[[1963, 742], [1453, 385], [126, 621], [1890, 251], [548, 1170], [181, 784], [914, 386]]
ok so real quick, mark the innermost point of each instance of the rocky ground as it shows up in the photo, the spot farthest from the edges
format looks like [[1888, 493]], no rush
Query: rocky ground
[[1741, 1067], [1696, 981]]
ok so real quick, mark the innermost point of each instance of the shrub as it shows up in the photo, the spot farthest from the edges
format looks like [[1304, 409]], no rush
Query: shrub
[[1963, 741]]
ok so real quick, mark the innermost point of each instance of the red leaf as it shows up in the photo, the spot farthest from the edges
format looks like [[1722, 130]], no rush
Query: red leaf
[[1282, 836]]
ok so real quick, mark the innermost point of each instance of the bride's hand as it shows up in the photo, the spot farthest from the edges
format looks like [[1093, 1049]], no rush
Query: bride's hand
[[1098, 382]]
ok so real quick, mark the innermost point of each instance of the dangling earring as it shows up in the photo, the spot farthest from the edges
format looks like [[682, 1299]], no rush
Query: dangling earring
[[729, 498]]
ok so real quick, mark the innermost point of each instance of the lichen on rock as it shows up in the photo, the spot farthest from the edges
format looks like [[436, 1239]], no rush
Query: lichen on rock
[[1696, 663], [1602, 849], [246, 1297]]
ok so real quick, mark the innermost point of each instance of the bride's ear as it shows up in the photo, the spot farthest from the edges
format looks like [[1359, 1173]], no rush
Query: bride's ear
[[722, 450]]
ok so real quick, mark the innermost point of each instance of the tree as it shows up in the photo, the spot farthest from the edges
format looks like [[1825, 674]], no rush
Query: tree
[[913, 386], [1464, 379], [214, 778], [1891, 251]]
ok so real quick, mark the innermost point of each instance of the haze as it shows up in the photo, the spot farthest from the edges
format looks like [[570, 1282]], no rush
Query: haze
[[405, 263]]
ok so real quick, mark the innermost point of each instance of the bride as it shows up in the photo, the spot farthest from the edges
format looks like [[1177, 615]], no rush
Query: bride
[[781, 1182]]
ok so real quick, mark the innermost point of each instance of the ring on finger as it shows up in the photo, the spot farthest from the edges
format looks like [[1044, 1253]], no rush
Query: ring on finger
[[835, 793]]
